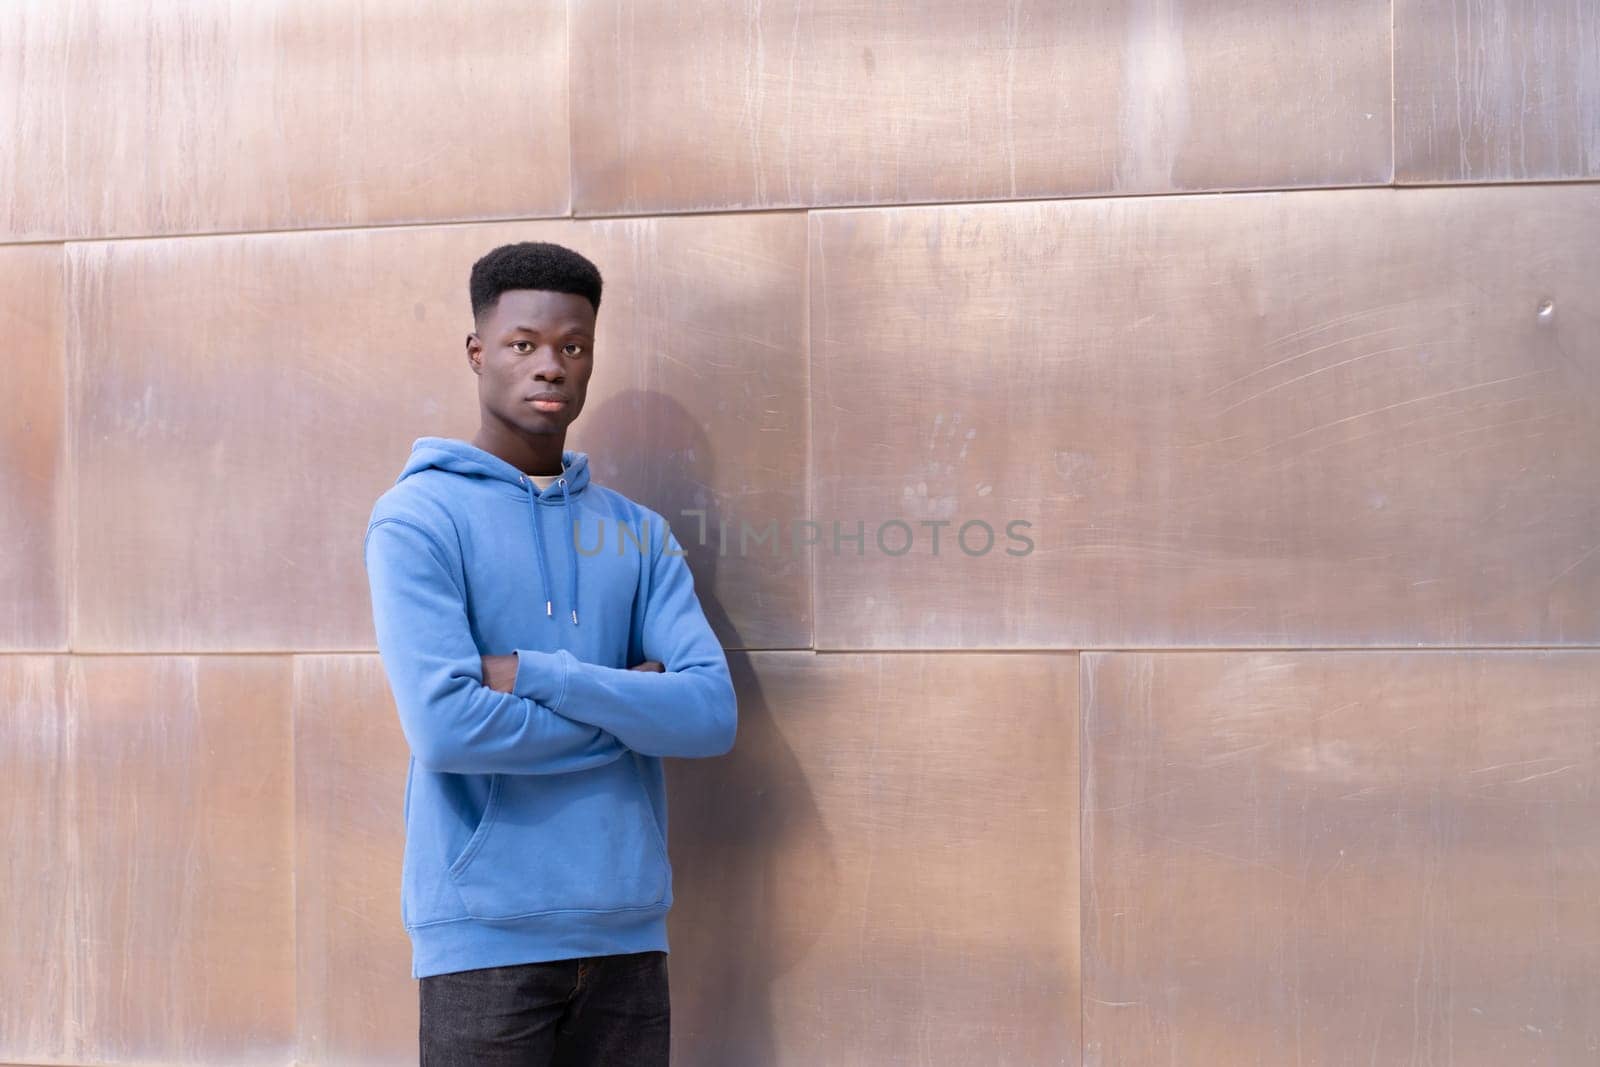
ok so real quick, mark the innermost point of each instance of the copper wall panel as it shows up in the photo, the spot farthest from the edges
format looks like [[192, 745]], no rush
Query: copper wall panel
[[240, 402], [357, 999], [697, 106], [149, 894], [1339, 417], [198, 117], [1337, 857], [33, 109], [884, 870], [33, 521], [40, 883], [1496, 90]]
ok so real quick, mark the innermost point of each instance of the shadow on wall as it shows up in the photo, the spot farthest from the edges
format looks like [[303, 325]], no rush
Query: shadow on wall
[[755, 881]]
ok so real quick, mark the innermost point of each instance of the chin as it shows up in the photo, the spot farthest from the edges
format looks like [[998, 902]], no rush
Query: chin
[[541, 426]]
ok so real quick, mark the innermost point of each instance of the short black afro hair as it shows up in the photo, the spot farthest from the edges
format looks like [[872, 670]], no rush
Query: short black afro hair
[[532, 265]]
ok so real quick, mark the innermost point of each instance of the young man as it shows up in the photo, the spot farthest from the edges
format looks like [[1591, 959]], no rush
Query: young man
[[545, 647]]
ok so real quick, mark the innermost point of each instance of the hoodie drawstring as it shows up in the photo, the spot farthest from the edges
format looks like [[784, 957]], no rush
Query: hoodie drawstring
[[570, 536], [538, 541]]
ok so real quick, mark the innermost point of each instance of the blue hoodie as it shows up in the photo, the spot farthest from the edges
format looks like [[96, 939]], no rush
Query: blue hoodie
[[536, 820]]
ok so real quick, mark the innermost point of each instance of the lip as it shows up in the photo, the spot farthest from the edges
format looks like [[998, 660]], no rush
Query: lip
[[548, 401]]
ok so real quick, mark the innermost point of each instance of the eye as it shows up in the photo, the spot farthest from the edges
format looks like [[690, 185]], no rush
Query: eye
[[574, 344], [518, 345]]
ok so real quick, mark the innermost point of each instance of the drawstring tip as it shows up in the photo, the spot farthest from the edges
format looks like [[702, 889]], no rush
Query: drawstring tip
[[547, 610], [574, 616]]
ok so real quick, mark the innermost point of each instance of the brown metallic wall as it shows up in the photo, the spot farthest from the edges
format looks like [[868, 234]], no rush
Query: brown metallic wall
[[1281, 745]]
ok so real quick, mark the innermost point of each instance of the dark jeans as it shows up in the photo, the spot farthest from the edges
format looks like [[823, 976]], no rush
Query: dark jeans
[[564, 1013]]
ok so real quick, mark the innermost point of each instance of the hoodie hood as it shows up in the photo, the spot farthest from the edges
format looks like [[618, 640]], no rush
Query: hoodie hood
[[467, 460]]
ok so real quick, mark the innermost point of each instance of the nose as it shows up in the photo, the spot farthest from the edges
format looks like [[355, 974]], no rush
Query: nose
[[547, 366]]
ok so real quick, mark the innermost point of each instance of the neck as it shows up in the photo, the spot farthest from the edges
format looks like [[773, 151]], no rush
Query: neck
[[529, 453]]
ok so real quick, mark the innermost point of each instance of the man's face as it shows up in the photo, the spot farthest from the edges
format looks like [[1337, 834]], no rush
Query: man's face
[[534, 343]]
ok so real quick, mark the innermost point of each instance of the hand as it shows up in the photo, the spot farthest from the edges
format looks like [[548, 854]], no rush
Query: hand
[[648, 665], [500, 672]]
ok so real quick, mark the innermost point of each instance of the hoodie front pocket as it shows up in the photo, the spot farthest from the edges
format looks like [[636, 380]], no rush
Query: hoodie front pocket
[[584, 841], [481, 833]]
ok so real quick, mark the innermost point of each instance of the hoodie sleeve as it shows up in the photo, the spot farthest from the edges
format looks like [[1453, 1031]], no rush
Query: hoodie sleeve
[[687, 710], [452, 721]]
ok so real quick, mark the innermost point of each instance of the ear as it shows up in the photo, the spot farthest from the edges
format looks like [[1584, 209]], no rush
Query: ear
[[475, 353]]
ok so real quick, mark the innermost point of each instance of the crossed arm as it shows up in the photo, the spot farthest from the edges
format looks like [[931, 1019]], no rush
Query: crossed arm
[[679, 702], [500, 672], [555, 714]]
